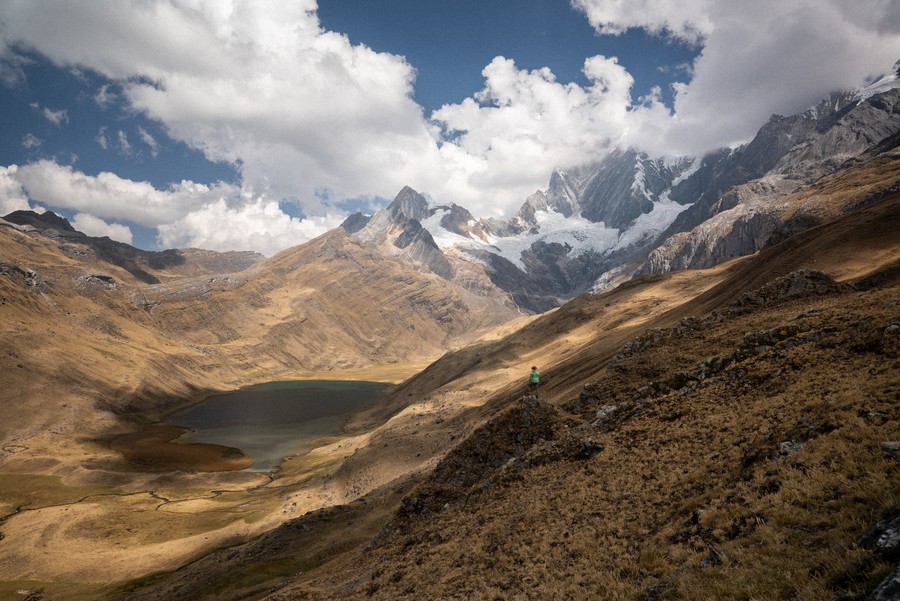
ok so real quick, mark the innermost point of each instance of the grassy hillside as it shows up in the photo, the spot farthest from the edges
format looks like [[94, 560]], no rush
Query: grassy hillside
[[703, 435], [88, 352]]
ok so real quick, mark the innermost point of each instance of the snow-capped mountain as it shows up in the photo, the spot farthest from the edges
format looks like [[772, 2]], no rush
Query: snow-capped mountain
[[739, 195], [558, 243], [630, 213]]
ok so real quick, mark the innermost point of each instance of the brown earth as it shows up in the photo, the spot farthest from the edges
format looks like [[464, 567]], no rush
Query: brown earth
[[83, 360], [155, 448], [706, 435], [88, 353]]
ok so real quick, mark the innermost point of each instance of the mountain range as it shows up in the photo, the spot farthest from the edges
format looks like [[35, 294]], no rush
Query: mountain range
[[630, 214], [718, 338]]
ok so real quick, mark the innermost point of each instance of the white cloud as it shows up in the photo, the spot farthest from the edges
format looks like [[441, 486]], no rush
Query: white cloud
[[124, 144], [258, 225], [302, 110], [758, 58], [687, 19], [261, 83], [30, 141], [149, 140], [104, 97], [109, 196], [523, 121], [12, 196], [221, 217], [55, 117], [101, 138], [11, 73], [94, 226]]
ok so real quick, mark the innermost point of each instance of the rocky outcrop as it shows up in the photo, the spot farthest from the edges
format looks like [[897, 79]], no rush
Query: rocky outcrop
[[461, 222], [355, 222], [626, 185], [47, 220], [734, 233], [615, 191], [418, 247]]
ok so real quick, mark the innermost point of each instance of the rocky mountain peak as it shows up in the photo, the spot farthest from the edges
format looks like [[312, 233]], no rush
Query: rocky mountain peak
[[409, 204], [41, 221], [562, 195], [355, 222]]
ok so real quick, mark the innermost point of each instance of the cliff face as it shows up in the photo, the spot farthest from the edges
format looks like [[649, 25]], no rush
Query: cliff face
[[755, 195], [397, 230]]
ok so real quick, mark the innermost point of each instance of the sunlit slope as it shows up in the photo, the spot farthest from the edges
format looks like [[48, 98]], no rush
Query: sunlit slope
[[327, 304], [714, 380], [88, 335]]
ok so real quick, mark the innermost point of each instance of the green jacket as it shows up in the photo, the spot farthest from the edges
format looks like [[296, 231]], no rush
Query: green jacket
[[535, 376]]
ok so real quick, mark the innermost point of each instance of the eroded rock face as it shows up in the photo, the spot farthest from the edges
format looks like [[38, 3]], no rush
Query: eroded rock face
[[735, 193], [889, 589], [883, 538], [397, 230], [418, 246], [355, 222]]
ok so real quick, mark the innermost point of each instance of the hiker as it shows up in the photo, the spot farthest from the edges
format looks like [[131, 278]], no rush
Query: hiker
[[534, 381]]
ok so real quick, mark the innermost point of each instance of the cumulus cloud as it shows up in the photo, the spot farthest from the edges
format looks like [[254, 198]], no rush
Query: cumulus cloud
[[12, 196], [301, 110], [109, 196], [220, 217], [688, 19], [94, 226], [261, 83], [757, 58], [521, 121], [259, 225]]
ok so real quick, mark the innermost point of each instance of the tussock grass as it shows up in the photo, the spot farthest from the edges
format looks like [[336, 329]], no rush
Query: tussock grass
[[754, 482]]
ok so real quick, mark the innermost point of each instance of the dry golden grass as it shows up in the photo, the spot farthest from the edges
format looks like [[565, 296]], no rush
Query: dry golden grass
[[691, 497], [682, 473]]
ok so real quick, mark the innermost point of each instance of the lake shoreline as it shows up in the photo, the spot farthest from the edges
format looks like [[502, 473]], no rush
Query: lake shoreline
[[155, 448], [253, 428]]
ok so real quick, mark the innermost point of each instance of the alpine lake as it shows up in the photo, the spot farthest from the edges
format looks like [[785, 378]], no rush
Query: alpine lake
[[253, 428]]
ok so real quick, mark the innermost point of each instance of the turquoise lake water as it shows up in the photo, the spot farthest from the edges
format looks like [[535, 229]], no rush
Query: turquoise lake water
[[273, 420]]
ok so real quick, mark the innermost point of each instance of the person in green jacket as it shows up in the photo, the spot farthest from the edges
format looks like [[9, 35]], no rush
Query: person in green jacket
[[534, 380]]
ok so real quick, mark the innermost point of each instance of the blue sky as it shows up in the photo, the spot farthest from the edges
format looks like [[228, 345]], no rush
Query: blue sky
[[233, 124], [449, 43]]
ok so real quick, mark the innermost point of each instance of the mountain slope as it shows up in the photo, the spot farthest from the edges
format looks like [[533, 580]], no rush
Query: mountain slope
[[697, 454], [755, 215], [76, 322], [89, 353], [704, 459], [631, 214], [147, 266]]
